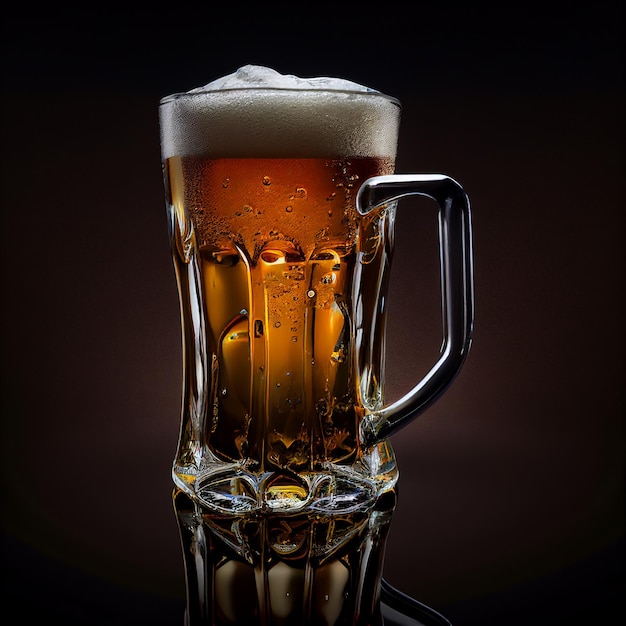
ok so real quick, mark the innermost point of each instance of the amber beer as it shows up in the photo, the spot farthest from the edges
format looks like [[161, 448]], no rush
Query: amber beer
[[273, 261], [278, 301]]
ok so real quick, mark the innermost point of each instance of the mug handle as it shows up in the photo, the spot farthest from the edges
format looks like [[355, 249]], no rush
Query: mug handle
[[457, 287]]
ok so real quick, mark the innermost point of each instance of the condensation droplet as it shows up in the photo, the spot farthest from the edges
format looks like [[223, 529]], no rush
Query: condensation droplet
[[294, 339], [225, 182], [224, 392], [267, 181], [278, 384], [311, 293], [300, 192], [276, 324], [289, 208], [247, 208]]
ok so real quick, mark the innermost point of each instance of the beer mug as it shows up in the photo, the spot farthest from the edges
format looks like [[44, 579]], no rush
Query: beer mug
[[281, 196]]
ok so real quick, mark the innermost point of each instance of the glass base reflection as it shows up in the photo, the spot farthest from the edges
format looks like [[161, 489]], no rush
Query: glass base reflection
[[308, 568]]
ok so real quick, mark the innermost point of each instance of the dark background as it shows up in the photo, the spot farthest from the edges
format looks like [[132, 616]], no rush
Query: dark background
[[510, 508]]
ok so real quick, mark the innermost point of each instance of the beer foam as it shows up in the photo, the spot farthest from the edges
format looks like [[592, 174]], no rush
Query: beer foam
[[258, 112], [251, 76]]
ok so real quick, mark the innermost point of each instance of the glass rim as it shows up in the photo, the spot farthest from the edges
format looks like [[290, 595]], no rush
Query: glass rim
[[350, 92]]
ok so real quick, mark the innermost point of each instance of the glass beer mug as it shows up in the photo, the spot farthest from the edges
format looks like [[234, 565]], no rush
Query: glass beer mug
[[281, 197]]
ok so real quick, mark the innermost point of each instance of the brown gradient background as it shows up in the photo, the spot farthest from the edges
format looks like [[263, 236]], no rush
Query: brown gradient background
[[510, 508]]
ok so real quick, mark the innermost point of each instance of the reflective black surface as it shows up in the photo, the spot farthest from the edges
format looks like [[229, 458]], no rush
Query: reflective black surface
[[40, 589]]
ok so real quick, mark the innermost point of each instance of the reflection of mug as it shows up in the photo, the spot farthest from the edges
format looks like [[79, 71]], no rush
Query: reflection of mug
[[303, 568], [282, 203]]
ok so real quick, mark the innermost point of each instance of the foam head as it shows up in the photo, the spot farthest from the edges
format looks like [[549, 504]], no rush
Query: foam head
[[257, 112]]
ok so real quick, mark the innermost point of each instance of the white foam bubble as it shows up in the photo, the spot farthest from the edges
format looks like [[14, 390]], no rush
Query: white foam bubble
[[251, 76], [256, 111]]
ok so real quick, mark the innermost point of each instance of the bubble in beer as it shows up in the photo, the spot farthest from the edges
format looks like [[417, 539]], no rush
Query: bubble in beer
[[352, 180]]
